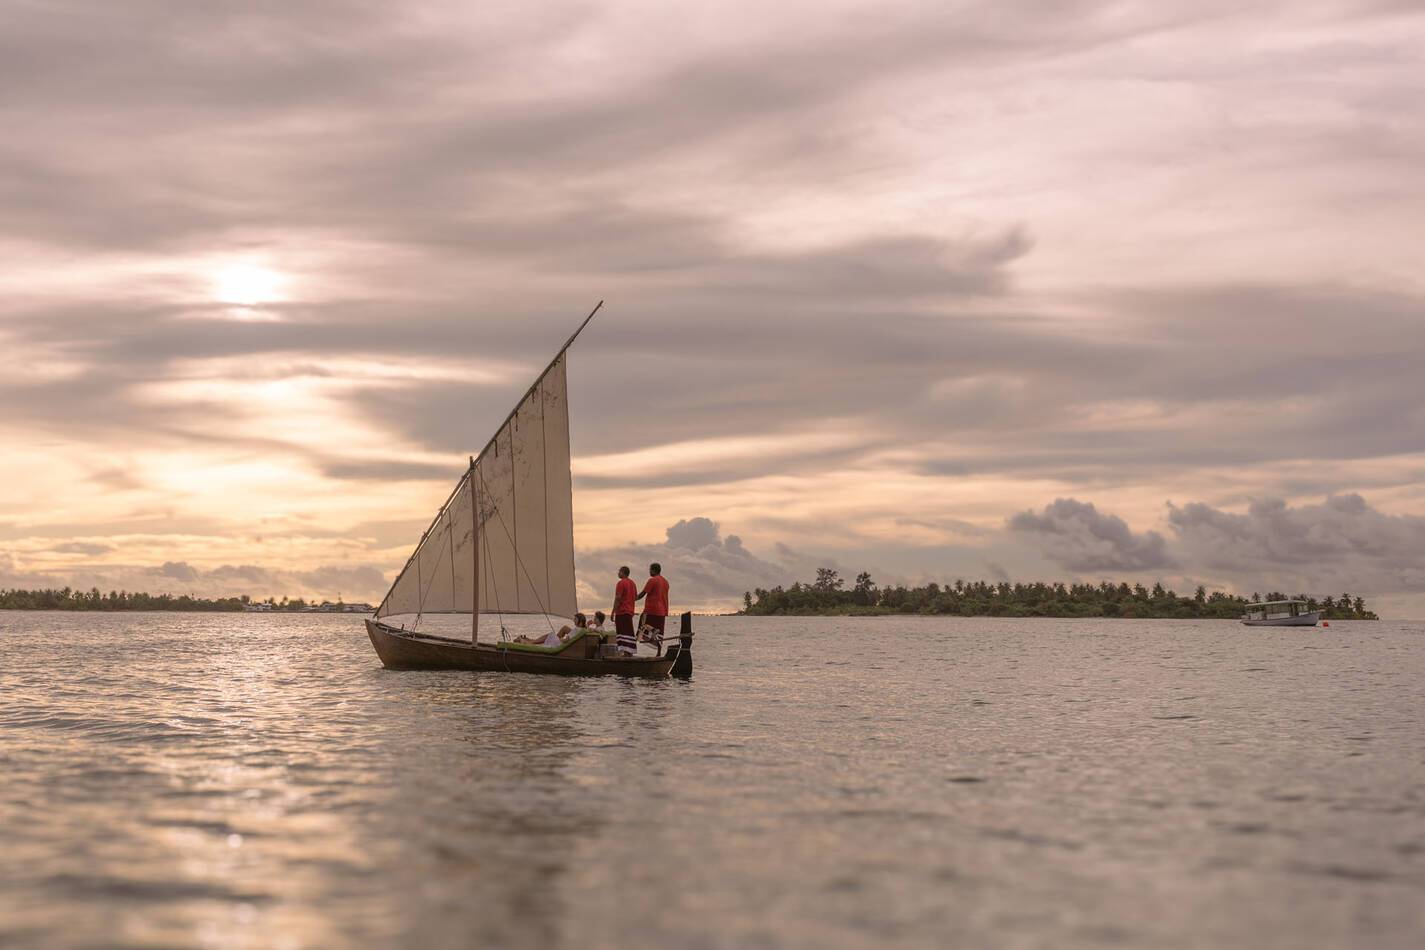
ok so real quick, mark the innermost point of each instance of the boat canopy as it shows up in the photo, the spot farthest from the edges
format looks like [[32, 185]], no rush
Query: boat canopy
[[1276, 603]]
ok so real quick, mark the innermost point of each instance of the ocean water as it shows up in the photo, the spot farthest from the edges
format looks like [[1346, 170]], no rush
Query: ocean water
[[260, 781]]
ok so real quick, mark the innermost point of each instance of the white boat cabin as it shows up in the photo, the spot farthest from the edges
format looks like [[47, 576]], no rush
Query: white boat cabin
[[1276, 610]]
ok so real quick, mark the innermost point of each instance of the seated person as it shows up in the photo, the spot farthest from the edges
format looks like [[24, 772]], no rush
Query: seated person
[[555, 638], [597, 628]]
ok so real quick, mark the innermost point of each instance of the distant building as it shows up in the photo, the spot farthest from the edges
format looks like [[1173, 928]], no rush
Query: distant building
[[327, 607]]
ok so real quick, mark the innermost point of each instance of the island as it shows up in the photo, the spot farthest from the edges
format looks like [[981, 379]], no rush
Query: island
[[828, 595], [65, 598]]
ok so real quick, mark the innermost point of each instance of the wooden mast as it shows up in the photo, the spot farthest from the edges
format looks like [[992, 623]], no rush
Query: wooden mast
[[475, 544], [474, 493]]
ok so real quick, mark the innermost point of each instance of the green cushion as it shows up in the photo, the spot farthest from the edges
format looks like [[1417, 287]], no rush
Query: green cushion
[[574, 638]]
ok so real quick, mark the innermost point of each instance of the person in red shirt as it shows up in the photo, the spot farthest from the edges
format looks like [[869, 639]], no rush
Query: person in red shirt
[[625, 592], [656, 590]]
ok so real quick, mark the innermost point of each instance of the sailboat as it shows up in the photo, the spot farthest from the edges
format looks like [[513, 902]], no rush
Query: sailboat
[[503, 543]]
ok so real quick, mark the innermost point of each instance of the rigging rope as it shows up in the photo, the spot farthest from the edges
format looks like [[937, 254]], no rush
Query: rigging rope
[[487, 568], [421, 604], [518, 560]]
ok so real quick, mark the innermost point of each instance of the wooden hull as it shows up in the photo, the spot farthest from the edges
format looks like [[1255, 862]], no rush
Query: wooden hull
[[404, 650], [1300, 620]]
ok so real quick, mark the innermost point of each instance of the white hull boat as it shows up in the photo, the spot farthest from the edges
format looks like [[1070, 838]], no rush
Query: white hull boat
[[1281, 613], [1301, 620]]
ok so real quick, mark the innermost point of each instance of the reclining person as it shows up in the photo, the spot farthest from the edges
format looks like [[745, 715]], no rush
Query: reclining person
[[557, 638]]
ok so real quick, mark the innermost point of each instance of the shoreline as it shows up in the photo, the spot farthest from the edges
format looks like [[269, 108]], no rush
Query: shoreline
[[1011, 616], [874, 612]]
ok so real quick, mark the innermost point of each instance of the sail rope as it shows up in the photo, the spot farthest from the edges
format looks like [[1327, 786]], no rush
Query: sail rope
[[494, 588], [421, 605], [416, 553], [420, 602], [420, 576], [518, 560], [514, 499], [450, 543]]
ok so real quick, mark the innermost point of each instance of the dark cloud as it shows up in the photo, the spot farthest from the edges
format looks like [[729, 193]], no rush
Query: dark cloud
[[115, 478], [775, 263], [758, 364], [82, 547], [390, 470], [703, 569], [363, 118], [178, 571], [154, 521], [695, 534], [392, 131], [244, 573], [1341, 542], [1075, 535]]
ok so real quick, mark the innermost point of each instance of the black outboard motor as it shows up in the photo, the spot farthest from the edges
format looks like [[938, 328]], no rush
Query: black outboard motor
[[683, 662]]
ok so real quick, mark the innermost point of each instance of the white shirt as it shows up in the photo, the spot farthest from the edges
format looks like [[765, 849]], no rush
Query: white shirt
[[552, 640]]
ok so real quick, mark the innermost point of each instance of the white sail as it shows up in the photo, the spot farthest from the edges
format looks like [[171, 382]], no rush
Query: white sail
[[522, 548]]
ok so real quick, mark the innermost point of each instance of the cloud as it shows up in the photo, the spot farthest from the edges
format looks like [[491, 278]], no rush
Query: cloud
[[360, 582], [916, 263], [705, 570], [178, 571], [1342, 541], [996, 571], [1077, 536], [82, 547], [388, 470], [695, 534], [446, 175]]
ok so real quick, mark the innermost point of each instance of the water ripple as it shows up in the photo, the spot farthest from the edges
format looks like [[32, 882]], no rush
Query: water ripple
[[220, 781]]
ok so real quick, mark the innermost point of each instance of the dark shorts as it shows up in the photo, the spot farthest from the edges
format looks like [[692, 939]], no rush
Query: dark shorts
[[658, 622]]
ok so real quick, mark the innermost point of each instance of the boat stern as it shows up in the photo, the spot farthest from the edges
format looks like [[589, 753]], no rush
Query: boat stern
[[683, 661]]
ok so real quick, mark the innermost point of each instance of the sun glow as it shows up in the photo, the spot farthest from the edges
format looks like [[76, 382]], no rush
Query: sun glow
[[247, 285]]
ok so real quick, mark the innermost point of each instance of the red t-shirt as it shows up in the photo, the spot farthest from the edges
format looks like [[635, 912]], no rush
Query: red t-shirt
[[624, 593], [655, 603]]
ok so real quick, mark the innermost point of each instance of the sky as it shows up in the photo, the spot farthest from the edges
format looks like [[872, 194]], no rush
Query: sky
[[944, 290]]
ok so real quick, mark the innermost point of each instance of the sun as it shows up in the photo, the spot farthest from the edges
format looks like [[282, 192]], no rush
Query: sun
[[246, 285]]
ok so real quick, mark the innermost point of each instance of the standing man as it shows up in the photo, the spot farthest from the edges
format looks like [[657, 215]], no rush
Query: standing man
[[625, 592], [656, 609]]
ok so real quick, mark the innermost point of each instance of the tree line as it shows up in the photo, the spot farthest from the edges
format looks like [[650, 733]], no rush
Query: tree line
[[829, 595], [65, 598]]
